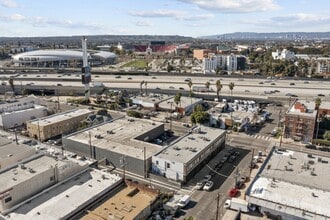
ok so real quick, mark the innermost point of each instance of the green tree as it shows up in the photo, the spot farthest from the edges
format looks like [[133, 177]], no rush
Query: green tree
[[199, 116], [207, 85], [318, 102], [11, 83], [231, 86], [219, 87], [141, 84], [177, 99], [326, 135]]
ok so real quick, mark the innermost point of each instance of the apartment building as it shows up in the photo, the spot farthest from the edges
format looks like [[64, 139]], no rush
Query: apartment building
[[54, 125], [300, 120]]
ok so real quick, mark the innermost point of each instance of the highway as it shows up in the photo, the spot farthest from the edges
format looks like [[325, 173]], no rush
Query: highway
[[245, 87]]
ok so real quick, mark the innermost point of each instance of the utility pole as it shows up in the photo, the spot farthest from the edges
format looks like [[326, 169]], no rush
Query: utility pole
[[90, 143], [16, 134], [251, 164], [217, 212], [123, 165]]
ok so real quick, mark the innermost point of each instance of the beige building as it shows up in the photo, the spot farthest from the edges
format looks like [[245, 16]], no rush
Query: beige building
[[201, 53], [54, 125], [133, 202]]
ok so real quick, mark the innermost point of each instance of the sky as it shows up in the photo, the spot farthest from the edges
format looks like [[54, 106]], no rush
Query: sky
[[32, 18]]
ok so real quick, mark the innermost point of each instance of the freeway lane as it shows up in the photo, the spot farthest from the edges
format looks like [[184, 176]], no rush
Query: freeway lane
[[243, 87]]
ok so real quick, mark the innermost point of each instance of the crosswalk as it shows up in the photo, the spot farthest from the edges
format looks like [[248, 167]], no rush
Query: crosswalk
[[263, 137]]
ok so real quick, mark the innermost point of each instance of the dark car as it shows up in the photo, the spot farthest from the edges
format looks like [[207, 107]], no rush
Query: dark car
[[310, 146], [292, 84]]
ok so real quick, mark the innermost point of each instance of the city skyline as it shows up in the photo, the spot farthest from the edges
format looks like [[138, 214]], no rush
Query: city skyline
[[27, 18]]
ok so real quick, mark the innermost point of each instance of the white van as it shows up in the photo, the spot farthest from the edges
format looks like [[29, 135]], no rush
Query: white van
[[184, 201]]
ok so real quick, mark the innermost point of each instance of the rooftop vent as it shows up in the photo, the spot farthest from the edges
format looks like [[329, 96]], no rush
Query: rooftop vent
[[22, 166]]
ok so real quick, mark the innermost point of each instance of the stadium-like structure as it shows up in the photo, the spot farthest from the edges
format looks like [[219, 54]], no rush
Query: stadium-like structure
[[61, 58]]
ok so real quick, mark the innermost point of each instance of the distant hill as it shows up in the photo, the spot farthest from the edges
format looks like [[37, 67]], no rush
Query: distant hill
[[270, 36], [98, 39]]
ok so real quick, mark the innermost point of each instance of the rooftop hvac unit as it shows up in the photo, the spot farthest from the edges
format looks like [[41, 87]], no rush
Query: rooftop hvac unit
[[22, 166]]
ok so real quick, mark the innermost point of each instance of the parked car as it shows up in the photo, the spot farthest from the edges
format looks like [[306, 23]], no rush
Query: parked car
[[207, 178], [233, 192], [208, 186], [199, 185]]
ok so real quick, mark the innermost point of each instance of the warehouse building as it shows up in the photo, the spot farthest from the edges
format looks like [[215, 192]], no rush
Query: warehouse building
[[292, 185], [181, 160], [31, 176], [65, 199], [125, 143], [54, 125]]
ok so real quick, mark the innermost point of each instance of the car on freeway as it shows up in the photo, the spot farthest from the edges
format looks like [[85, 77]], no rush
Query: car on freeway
[[154, 77], [306, 82], [181, 88], [208, 186], [129, 78], [59, 84], [247, 90], [273, 84], [117, 77], [310, 146], [171, 87], [233, 192], [261, 82], [187, 79], [320, 95], [292, 84], [199, 185]]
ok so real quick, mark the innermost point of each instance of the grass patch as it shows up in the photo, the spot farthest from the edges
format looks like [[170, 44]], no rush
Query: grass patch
[[138, 64]]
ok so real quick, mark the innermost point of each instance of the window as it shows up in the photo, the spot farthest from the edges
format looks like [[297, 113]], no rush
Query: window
[[52, 178], [157, 162], [8, 199], [168, 165]]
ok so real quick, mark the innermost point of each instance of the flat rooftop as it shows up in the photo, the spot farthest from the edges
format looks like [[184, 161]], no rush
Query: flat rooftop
[[299, 168], [127, 204], [34, 107], [67, 197], [14, 176], [190, 145], [120, 136], [185, 102], [9, 148], [152, 98], [60, 117], [310, 105], [295, 183]]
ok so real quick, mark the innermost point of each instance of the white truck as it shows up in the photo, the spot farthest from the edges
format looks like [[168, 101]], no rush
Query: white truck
[[237, 204], [184, 201]]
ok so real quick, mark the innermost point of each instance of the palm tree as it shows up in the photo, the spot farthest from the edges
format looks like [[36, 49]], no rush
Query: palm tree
[[141, 84], [318, 102], [190, 92], [219, 87], [231, 86], [11, 83], [177, 99], [207, 85], [146, 86]]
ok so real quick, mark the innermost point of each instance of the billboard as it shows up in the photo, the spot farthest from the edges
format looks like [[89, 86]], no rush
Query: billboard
[[86, 76]]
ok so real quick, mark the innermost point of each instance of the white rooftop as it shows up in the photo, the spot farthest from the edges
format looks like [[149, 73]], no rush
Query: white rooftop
[[16, 175], [60, 117], [310, 106], [295, 183], [67, 197], [185, 102], [121, 136], [191, 145]]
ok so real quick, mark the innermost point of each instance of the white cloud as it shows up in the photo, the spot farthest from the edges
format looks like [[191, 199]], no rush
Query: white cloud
[[143, 23], [8, 4], [293, 20], [13, 17], [179, 15], [234, 6]]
